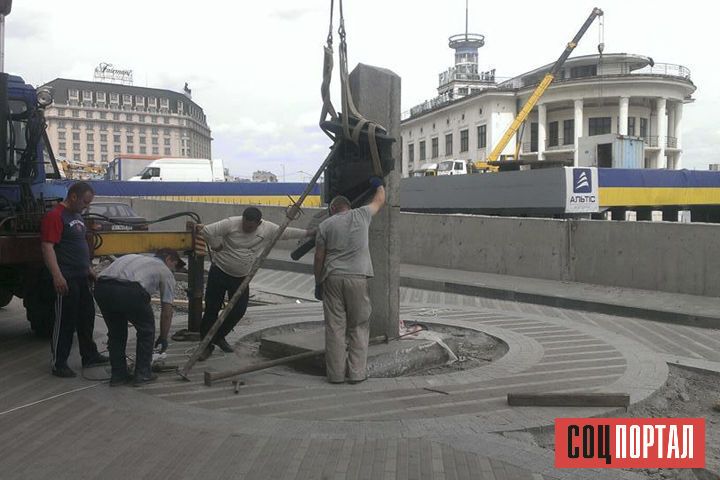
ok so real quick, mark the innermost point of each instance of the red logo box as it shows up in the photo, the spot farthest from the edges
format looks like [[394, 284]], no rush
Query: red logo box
[[629, 442]]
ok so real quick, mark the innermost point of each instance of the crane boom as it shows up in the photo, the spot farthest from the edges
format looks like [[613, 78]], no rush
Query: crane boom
[[542, 86]]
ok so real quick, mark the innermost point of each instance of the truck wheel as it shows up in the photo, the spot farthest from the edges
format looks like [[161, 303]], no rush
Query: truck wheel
[[5, 297], [41, 317]]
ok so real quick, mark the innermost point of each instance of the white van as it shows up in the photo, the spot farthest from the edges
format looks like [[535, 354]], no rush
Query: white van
[[181, 170], [425, 170], [453, 167]]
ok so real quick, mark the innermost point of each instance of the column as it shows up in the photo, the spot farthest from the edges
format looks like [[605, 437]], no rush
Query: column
[[542, 121], [678, 134], [624, 110], [376, 92], [661, 132], [578, 128]]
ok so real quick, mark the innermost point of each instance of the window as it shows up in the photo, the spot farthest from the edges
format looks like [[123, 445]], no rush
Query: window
[[553, 134], [61, 135], [116, 148], [631, 126], [167, 151], [103, 148], [76, 146], [91, 157], [87, 96], [116, 138], [90, 136], [114, 98], [76, 125], [422, 150], [76, 113], [89, 114], [153, 118], [103, 158], [116, 116], [155, 150], [103, 115], [448, 144], [154, 141], [464, 140], [411, 151], [100, 97], [90, 146], [103, 126], [166, 120], [61, 112], [599, 125], [583, 71], [142, 139], [127, 99], [533, 137], [435, 147], [463, 91], [89, 125], [141, 118], [73, 94], [61, 124], [643, 128], [76, 157], [167, 142], [139, 101], [568, 132], [150, 172], [130, 149], [155, 130], [143, 150], [129, 139], [61, 145], [166, 131], [482, 136], [76, 136]]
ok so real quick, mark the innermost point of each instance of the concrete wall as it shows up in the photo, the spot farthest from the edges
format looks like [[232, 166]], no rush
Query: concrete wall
[[664, 256]]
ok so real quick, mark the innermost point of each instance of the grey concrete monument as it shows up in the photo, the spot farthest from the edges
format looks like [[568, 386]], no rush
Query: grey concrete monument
[[376, 92]]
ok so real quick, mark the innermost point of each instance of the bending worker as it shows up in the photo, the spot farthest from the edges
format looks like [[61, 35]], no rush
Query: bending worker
[[123, 293], [342, 266], [236, 242]]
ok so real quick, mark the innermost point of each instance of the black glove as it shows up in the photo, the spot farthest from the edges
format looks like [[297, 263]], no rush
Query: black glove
[[376, 182], [162, 343], [318, 291]]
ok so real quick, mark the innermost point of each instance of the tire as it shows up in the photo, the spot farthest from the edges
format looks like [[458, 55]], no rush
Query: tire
[[6, 297]]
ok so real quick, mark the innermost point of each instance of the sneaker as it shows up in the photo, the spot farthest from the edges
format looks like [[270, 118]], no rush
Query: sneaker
[[64, 372], [206, 353], [142, 380], [355, 382], [96, 361], [224, 345], [120, 380]]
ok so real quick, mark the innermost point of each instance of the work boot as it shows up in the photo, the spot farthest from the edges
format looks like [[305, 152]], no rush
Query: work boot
[[96, 361], [206, 353], [224, 345], [64, 372], [144, 379]]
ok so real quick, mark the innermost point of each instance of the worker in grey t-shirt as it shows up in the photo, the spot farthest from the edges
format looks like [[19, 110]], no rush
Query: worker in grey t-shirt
[[342, 266]]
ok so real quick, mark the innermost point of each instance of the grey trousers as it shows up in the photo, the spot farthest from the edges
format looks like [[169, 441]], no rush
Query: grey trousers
[[346, 305]]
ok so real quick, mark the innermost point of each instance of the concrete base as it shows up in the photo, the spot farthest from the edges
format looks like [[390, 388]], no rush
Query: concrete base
[[391, 359]]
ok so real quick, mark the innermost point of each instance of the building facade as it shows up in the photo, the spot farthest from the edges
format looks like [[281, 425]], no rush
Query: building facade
[[619, 94], [93, 122]]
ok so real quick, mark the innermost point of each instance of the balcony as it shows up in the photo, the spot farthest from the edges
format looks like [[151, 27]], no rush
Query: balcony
[[652, 141]]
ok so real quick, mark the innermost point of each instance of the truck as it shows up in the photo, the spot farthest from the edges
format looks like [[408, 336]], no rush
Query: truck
[[182, 170], [127, 166]]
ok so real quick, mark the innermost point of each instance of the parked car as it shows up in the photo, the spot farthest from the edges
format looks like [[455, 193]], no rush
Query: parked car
[[115, 211]]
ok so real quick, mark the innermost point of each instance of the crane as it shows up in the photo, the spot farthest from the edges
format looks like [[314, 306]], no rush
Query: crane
[[542, 86]]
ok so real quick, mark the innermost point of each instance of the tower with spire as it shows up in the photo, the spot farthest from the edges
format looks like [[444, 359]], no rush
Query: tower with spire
[[465, 78]]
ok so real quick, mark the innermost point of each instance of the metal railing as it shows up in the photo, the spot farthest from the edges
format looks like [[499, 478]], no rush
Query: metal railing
[[666, 69], [653, 141]]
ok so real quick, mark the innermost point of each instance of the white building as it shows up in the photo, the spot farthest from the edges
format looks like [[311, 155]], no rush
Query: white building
[[618, 93], [94, 122]]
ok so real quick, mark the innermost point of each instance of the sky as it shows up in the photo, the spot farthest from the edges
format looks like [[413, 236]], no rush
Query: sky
[[256, 67]]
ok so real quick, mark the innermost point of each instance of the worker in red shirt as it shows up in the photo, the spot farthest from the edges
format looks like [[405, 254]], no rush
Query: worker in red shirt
[[67, 257]]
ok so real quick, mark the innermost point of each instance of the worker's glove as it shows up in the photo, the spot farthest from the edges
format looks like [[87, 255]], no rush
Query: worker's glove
[[376, 182], [161, 344], [318, 291]]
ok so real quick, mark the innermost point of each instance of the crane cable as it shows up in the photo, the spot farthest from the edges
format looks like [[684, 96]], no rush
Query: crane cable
[[347, 103]]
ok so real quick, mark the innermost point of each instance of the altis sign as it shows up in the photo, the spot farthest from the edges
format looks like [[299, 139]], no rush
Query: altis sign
[[581, 187]]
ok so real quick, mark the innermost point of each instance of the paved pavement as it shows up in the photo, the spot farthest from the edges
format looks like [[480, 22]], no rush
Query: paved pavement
[[284, 424]]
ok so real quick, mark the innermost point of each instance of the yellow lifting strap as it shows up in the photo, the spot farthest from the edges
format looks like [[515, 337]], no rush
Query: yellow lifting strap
[[348, 106]]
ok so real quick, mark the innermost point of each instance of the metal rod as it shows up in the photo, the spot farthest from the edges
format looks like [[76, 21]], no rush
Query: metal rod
[[291, 215], [211, 377], [2, 43]]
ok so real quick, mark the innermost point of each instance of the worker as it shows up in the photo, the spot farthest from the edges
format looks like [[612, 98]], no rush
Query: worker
[[342, 266], [235, 242], [123, 294], [69, 275]]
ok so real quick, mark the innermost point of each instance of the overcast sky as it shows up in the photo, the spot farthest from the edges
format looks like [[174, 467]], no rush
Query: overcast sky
[[255, 67]]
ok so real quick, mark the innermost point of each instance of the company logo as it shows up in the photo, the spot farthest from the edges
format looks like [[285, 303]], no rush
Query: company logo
[[630, 443], [582, 180]]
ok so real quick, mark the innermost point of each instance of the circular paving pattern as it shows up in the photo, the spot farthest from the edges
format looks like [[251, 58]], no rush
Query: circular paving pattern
[[545, 355]]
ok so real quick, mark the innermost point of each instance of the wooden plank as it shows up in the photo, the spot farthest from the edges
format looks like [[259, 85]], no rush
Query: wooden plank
[[568, 399]]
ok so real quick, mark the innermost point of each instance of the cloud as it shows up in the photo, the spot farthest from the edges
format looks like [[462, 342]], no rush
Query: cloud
[[292, 14]]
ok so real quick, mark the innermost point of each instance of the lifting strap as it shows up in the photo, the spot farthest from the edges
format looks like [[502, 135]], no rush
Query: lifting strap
[[348, 106]]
